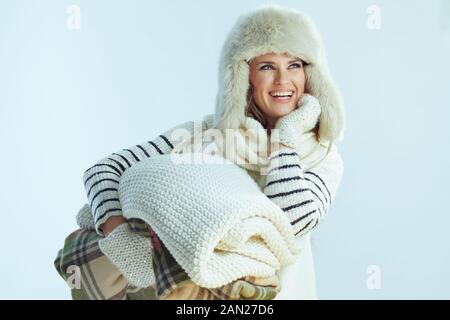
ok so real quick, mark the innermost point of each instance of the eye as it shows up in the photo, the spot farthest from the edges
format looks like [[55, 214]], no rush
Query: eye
[[296, 65], [266, 65]]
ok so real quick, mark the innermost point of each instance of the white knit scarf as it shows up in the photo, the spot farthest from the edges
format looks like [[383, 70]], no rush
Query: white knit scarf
[[250, 147]]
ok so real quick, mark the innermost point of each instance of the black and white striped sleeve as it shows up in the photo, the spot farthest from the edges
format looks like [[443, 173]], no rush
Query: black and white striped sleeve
[[101, 181], [305, 197]]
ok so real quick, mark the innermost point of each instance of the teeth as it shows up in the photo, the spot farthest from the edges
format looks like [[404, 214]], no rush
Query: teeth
[[283, 93]]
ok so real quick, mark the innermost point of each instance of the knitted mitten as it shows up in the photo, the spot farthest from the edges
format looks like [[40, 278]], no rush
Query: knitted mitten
[[291, 126], [131, 253], [84, 218]]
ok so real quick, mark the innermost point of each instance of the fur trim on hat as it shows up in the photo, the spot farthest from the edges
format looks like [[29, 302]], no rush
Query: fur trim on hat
[[279, 30]]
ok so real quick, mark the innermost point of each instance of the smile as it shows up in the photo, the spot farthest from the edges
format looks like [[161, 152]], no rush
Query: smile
[[281, 96]]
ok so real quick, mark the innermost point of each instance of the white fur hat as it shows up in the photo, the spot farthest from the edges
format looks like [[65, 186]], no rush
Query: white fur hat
[[279, 30]]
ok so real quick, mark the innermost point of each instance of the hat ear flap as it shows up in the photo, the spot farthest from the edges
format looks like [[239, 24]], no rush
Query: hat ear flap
[[232, 97], [332, 118]]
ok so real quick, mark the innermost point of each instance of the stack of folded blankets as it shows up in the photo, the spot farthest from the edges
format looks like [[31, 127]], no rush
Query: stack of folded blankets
[[211, 216], [215, 234]]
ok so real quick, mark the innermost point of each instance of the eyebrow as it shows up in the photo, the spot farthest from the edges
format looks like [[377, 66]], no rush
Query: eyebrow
[[271, 62]]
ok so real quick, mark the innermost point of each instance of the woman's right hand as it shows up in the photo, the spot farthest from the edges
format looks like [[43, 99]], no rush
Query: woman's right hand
[[112, 223]]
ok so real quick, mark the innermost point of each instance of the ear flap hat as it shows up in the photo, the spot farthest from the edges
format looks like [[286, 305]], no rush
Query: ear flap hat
[[278, 30]]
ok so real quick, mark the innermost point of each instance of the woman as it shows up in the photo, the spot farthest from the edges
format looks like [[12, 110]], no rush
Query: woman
[[273, 78]]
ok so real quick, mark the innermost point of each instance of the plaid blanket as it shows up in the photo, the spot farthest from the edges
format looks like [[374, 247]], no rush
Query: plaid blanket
[[91, 276]]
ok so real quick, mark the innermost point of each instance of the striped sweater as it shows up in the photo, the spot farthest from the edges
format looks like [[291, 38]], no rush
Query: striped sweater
[[305, 196]]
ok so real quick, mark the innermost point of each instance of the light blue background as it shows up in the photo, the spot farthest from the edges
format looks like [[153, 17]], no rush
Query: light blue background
[[136, 68]]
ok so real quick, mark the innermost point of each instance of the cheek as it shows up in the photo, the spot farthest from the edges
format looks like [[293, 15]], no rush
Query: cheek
[[260, 85], [300, 81]]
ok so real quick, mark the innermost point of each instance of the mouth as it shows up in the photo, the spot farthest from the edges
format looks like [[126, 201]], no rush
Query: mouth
[[282, 96]]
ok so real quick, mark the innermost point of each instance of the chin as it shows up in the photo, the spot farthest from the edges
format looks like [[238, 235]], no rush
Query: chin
[[283, 110], [278, 110]]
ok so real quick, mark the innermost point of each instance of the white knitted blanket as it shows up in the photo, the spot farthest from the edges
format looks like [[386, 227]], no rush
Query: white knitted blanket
[[212, 217]]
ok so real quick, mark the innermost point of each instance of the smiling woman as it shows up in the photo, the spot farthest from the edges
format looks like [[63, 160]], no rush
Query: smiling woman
[[277, 82], [272, 79]]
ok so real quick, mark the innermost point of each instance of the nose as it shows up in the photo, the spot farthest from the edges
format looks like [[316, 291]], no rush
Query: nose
[[281, 77]]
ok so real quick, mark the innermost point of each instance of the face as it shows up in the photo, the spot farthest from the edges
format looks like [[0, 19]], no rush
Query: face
[[278, 82]]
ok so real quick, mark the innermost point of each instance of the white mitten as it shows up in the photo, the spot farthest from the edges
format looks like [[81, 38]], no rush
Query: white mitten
[[303, 119], [84, 218], [131, 253]]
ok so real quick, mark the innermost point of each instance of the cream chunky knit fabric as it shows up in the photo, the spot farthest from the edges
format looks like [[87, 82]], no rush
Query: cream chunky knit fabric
[[301, 120], [302, 187], [302, 184], [212, 217], [131, 254]]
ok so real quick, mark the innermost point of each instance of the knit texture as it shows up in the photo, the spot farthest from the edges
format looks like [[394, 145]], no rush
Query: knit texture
[[101, 181], [291, 126], [212, 217], [131, 254], [84, 218], [303, 188]]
